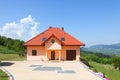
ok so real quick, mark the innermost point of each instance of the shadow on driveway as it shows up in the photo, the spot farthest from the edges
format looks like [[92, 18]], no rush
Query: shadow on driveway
[[6, 63]]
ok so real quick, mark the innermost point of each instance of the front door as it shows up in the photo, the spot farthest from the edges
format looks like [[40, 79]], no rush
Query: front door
[[52, 55]]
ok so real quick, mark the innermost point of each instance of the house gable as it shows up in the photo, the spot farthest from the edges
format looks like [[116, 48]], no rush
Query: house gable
[[53, 44]]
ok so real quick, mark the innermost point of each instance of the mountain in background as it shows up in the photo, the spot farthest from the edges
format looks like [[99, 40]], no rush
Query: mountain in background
[[113, 49]]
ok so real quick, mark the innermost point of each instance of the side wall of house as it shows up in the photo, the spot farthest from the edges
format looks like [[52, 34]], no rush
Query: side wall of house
[[40, 52], [64, 48]]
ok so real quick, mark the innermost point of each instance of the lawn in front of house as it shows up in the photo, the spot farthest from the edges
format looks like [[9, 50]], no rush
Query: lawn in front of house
[[108, 70], [11, 57], [3, 76]]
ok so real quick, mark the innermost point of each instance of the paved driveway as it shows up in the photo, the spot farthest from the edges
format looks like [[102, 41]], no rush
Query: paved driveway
[[36, 70]]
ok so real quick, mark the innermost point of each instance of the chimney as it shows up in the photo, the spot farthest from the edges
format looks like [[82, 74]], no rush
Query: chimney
[[50, 27], [63, 28]]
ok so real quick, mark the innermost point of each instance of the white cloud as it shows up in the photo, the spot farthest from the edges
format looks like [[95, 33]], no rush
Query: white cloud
[[24, 30]]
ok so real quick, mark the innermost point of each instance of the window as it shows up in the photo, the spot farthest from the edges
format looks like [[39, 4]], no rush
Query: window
[[34, 52], [52, 41], [43, 39], [62, 39]]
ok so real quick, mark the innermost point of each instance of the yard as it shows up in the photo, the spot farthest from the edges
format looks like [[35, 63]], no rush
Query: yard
[[3, 75], [11, 57], [108, 70], [64, 70]]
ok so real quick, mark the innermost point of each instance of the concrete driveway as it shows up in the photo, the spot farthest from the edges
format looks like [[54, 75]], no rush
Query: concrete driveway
[[51, 70]]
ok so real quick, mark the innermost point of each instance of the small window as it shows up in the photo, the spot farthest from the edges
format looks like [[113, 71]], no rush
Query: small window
[[34, 52], [62, 39], [52, 41], [43, 39]]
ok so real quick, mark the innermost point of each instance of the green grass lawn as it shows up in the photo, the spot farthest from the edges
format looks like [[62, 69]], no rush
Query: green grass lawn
[[108, 70], [11, 57], [3, 75]]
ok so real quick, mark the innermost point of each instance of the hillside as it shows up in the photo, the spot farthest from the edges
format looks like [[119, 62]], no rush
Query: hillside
[[102, 63], [9, 45], [113, 49]]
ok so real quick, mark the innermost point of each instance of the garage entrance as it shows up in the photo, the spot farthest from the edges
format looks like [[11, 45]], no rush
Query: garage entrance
[[70, 54]]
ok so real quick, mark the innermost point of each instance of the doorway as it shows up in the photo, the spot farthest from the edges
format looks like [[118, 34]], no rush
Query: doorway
[[52, 55]]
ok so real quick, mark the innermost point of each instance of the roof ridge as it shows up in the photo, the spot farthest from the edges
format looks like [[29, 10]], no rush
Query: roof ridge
[[50, 28]]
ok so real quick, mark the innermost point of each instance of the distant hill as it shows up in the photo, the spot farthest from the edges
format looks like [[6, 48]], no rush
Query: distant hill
[[113, 49], [113, 46]]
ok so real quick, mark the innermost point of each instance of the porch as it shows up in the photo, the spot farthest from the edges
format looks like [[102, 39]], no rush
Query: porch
[[54, 55]]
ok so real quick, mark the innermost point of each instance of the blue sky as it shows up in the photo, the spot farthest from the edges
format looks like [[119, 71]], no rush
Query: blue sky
[[91, 21]]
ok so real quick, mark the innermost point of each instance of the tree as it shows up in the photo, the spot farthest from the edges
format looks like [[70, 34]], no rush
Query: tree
[[116, 62], [3, 40]]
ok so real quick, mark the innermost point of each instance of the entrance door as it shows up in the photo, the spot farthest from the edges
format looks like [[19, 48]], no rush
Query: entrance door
[[52, 55]]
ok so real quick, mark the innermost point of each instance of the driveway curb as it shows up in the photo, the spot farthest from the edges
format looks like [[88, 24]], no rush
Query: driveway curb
[[87, 68], [11, 77]]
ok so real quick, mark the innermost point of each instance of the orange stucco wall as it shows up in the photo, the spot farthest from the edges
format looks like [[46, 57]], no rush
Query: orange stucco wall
[[41, 52]]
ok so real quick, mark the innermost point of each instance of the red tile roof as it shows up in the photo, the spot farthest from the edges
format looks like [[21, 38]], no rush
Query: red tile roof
[[58, 34]]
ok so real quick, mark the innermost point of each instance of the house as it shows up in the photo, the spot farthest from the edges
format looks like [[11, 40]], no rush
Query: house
[[53, 44]]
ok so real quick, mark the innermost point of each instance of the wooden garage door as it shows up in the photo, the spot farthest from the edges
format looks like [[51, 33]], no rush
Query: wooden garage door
[[71, 54]]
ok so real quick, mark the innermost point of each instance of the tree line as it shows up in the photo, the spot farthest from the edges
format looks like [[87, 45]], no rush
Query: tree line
[[12, 44]]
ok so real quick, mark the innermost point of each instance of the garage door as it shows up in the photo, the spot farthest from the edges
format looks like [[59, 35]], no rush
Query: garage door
[[71, 54]]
